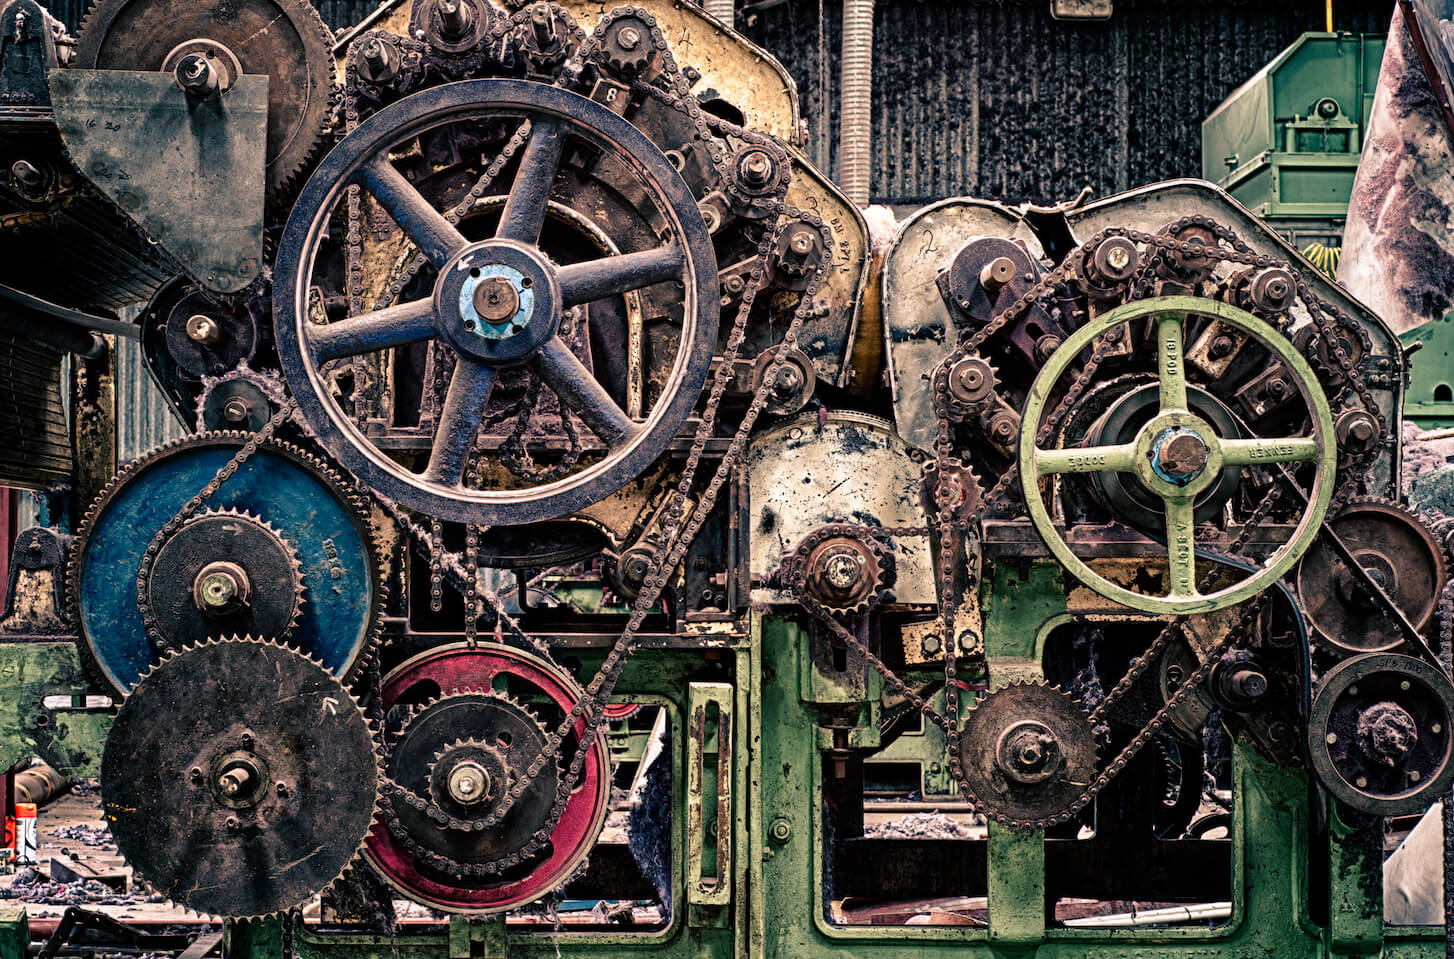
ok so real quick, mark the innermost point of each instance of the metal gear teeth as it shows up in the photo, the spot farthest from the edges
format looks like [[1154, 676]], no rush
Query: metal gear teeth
[[1441, 552], [357, 855], [331, 478], [297, 567], [986, 808], [268, 382], [282, 182], [884, 569], [413, 712]]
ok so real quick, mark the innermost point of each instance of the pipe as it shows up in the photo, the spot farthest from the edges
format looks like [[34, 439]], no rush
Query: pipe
[[54, 335], [723, 10], [40, 785], [855, 130], [77, 318]]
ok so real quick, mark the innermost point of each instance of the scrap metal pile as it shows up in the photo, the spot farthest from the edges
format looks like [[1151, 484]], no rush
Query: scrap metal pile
[[548, 288]]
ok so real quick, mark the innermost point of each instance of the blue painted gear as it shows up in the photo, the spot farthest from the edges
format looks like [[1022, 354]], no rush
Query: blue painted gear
[[299, 498]]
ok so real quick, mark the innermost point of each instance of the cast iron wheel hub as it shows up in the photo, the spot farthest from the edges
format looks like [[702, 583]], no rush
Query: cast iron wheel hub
[[1029, 751], [498, 302], [1379, 736], [1178, 455]]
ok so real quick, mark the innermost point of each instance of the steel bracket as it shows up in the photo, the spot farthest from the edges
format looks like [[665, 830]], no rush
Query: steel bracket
[[709, 705]]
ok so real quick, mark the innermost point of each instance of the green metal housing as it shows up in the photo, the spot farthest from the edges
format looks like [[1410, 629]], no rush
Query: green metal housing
[[758, 723], [1286, 143], [1429, 399]]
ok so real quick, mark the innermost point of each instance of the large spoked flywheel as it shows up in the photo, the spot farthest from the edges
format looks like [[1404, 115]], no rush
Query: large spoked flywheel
[[501, 306]]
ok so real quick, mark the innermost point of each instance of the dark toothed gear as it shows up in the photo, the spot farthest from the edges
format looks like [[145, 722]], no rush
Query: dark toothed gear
[[1401, 554], [239, 778], [466, 722], [225, 572], [627, 46], [1029, 751], [480, 738], [284, 39], [1379, 736], [243, 399], [843, 568], [301, 502]]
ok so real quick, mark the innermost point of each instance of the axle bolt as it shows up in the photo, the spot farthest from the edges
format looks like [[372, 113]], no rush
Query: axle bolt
[[203, 329]]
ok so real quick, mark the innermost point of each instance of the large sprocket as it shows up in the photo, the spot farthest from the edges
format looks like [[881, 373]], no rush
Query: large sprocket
[[1029, 752], [240, 778], [322, 538], [284, 39]]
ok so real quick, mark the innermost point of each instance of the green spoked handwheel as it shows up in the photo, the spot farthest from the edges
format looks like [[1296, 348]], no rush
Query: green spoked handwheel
[[1177, 454]]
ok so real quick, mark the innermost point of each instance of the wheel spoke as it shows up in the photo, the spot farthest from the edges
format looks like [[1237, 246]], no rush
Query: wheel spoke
[[1090, 459], [584, 282], [1282, 449], [435, 236], [459, 420], [524, 212], [1181, 547], [1170, 362], [379, 330], [579, 390]]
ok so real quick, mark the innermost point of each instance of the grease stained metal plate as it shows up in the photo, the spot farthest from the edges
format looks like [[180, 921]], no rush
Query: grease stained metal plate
[[852, 469], [189, 172]]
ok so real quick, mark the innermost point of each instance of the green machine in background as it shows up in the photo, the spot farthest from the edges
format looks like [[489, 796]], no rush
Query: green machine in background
[[1286, 143], [1429, 401]]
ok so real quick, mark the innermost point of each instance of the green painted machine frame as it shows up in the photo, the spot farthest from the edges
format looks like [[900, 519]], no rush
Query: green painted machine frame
[[1429, 399], [1268, 145], [752, 759]]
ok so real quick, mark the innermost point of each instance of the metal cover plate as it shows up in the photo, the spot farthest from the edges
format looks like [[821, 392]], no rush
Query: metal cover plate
[[189, 172]]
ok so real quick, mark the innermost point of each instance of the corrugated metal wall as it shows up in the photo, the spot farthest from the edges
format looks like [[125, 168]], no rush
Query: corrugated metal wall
[[143, 418], [999, 100]]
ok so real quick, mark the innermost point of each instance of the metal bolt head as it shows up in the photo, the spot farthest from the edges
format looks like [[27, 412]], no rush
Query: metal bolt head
[[496, 299], [629, 38], [756, 167], [196, 75], [1118, 257], [842, 570], [468, 783], [236, 410], [1222, 346], [789, 379], [203, 329], [997, 273], [801, 243], [217, 590], [27, 174], [782, 830]]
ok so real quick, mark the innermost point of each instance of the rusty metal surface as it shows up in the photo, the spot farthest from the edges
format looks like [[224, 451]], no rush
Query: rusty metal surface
[[915, 318], [803, 474], [189, 173], [730, 66]]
